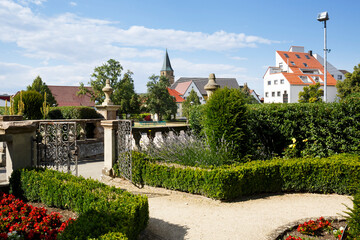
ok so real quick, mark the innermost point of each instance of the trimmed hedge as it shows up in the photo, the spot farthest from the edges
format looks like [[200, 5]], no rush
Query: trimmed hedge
[[102, 209], [320, 129], [73, 113], [336, 174]]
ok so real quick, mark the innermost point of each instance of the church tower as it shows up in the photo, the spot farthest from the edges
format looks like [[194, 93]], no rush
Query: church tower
[[167, 70]]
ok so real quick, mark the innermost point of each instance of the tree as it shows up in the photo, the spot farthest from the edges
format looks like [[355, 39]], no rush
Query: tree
[[41, 87], [32, 103], [249, 99], [226, 120], [191, 100], [159, 101], [123, 88], [351, 83], [311, 94]]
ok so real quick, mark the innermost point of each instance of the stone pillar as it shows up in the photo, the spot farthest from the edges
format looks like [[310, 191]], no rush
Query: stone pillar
[[211, 86], [107, 108], [110, 128], [20, 150]]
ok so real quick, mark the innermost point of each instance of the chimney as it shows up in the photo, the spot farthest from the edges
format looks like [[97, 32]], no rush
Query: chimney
[[310, 52]]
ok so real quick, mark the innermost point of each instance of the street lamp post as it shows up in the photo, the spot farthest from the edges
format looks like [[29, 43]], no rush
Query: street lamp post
[[323, 17]]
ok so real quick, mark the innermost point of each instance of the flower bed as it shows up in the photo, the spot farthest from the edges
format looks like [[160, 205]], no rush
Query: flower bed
[[316, 229], [19, 220]]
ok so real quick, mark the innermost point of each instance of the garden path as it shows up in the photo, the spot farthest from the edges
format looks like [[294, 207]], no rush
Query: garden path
[[175, 215]]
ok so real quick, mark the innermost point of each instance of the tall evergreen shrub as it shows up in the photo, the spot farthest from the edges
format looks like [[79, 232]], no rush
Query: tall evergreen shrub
[[225, 119], [32, 104]]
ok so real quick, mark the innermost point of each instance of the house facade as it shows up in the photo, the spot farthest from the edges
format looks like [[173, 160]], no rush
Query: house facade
[[295, 69]]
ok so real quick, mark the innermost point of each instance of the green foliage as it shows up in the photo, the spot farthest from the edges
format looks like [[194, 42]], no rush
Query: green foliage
[[320, 129], [337, 174], [351, 83], [45, 108], [41, 87], [191, 101], [159, 101], [101, 208], [189, 150], [123, 88], [73, 113], [226, 120], [354, 217], [311, 94], [249, 99], [2, 111], [196, 116], [32, 104]]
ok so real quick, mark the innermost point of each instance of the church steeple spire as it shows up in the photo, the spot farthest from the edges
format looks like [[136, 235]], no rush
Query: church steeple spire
[[166, 69]]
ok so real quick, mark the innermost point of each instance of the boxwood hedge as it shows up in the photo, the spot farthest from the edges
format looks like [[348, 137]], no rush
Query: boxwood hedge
[[336, 174], [102, 209]]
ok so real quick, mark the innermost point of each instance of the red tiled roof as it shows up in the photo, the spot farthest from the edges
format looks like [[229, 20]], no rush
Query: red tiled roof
[[66, 96], [176, 94], [311, 63], [5, 97], [182, 87]]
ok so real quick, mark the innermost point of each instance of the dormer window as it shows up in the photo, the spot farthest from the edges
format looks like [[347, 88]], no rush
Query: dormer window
[[305, 64], [305, 79], [317, 79], [307, 56], [287, 56], [297, 55], [292, 63]]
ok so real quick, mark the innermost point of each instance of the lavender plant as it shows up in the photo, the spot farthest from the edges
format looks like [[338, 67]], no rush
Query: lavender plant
[[189, 150]]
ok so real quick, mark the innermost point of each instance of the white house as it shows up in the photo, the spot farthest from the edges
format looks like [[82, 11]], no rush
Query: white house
[[294, 70]]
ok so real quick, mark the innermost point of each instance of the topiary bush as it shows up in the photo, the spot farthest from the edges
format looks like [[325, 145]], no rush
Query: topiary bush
[[225, 119], [336, 174], [32, 104], [73, 112], [101, 208]]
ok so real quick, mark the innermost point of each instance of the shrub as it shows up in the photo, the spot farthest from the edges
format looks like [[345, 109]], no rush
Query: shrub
[[320, 129], [189, 150], [337, 174], [32, 104], [226, 119], [77, 112], [196, 115], [104, 206], [354, 217]]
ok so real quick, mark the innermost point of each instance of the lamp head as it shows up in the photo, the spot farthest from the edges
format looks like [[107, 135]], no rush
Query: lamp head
[[323, 16]]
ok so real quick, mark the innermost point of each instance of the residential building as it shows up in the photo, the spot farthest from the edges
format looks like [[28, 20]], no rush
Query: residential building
[[66, 96], [294, 70], [184, 85], [179, 100]]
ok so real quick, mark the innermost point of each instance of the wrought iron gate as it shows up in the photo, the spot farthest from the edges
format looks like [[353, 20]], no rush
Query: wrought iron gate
[[56, 146], [124, 146]]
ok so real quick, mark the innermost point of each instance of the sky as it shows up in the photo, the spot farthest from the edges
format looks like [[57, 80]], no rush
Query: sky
[[63, 41]]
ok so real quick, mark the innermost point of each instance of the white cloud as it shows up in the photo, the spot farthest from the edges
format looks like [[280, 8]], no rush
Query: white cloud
[[26, 2], [239, 58], [74, 4], [73, 38]]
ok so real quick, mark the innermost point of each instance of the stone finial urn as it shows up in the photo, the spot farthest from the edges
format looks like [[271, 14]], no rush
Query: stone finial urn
[[211, 86], [107, 90], [107, 108]]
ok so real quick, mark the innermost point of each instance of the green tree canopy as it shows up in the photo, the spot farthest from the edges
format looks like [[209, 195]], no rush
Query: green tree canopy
[[32, 101], [41, 87], [123, 88], [226, 120], [351, 83], [249, 99], [159, 101], [191, 100], [311, 94]]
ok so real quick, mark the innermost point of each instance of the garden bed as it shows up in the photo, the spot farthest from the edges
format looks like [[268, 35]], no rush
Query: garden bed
[[327, 229]]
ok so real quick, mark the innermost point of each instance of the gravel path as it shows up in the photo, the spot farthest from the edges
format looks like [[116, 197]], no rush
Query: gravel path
[[176, 215]]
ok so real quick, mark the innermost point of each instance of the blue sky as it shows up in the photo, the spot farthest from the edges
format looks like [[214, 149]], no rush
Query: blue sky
[[63, 41]]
